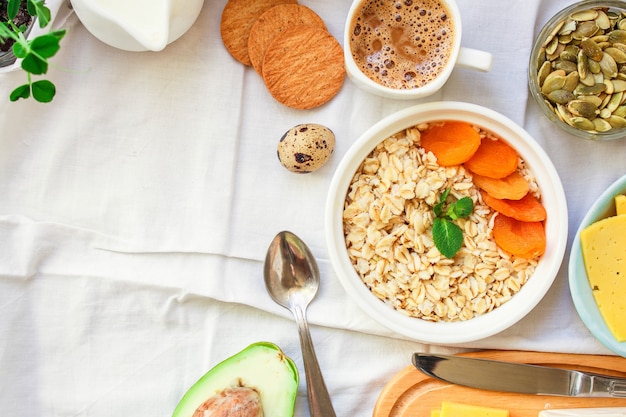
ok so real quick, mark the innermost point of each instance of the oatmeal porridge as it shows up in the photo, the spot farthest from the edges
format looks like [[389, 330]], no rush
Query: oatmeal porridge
[[387, 220]]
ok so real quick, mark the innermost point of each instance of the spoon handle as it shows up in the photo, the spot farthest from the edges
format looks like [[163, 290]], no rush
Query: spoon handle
[[319, 399]]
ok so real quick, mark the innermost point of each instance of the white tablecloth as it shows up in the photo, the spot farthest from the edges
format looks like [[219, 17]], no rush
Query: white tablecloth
[[136, 209]]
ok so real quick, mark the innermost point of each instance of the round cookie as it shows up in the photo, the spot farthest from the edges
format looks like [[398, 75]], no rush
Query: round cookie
[[303, 67], [237, 19], [274, 21]]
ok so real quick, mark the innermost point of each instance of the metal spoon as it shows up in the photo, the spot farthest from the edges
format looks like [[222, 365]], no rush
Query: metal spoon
[[292, 279]]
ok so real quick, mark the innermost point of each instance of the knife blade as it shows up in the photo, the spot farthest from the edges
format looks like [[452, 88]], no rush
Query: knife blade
[[503, 376]]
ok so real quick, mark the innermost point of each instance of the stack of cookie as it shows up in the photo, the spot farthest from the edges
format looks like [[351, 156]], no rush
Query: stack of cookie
[[301, 63]]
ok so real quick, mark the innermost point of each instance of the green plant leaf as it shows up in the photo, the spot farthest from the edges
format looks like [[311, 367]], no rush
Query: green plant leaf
[[461, 208], [6, 32], [438, 209], [45, 45], [23, 91], [38, 8], [13, 7], [448, 237], [35, 65], [19, 49], [58, 33], [43, 91]]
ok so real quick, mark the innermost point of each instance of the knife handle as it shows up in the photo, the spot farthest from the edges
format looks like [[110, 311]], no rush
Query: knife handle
[[611, 387]]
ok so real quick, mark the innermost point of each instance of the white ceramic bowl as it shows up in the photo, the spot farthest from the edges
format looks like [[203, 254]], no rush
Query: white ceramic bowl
[[553, 199], [579, 283]]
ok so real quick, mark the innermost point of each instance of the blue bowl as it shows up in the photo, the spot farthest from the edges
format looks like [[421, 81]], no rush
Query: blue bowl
[[578, 282]]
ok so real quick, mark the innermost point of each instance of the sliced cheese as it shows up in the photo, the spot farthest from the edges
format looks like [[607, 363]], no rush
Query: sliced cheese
[[450, 409], [435, 413], [603, 246], [587, 412], [620, 204]]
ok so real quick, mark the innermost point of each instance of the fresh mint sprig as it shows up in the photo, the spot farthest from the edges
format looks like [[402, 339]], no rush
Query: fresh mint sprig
[[447, 235], [33, 52]]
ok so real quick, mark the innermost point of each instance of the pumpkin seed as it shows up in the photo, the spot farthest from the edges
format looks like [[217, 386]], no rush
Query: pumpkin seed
[[582, 108], [585, 90], [595, 100], [563, 114], [553, 33], [620, 111], [591, 49], [594, 66], [617, 36], [582, 123], [615, 101], [602, 20], [620, 46], [619, 85], [571, 81], [617, 54], [604, 113], [585, 30], [608, 65], [617, 122], [551, 46], [582, 64], [601, 125], [560, 96], [570, 53], [544, 71], [554, 81], [584, 15], [567, 66], [566, 27], [589, 80]]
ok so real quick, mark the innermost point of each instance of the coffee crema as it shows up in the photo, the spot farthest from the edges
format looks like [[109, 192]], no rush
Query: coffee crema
[[402, 44]]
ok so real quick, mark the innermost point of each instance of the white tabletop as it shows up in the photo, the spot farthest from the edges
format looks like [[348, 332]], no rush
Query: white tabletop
[[136, 209]]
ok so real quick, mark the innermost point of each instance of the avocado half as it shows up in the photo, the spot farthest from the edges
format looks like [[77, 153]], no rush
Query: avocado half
[[262, 368]]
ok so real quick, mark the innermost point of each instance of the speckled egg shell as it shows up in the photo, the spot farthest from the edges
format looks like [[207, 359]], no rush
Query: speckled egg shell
[[305, 148]]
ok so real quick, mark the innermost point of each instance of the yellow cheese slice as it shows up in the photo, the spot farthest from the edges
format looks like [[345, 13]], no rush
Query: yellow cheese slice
[[435, 413], [450, 409], [620, 204], [603, 246]]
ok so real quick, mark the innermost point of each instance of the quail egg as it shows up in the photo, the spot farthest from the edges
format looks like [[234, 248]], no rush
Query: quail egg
[[306, 147]]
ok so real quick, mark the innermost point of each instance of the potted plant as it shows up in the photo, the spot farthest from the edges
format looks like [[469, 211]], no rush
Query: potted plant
[[34, 52]]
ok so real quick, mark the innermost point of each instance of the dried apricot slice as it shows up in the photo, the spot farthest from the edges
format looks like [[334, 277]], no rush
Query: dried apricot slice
[[511, 187], [526, 209], [524, 239], [494, 159], [452, 143]]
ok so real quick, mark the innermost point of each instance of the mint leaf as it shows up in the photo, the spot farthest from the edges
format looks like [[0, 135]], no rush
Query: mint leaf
[[438, 209], [448, 236], [461, 208]]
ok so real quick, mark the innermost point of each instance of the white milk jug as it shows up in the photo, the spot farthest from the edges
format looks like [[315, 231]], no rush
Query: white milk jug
[[137, 25]]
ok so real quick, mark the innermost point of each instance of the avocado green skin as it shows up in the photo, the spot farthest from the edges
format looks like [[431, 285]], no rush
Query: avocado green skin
[[194, 397]]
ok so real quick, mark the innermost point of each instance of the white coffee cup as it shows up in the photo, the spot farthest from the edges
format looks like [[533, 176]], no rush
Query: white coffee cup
[[458, 56]]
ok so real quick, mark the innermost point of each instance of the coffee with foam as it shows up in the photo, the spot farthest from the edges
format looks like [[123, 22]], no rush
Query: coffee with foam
[[402, 44]]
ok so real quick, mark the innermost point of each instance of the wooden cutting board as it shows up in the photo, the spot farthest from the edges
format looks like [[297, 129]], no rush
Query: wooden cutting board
[[411, 393]]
